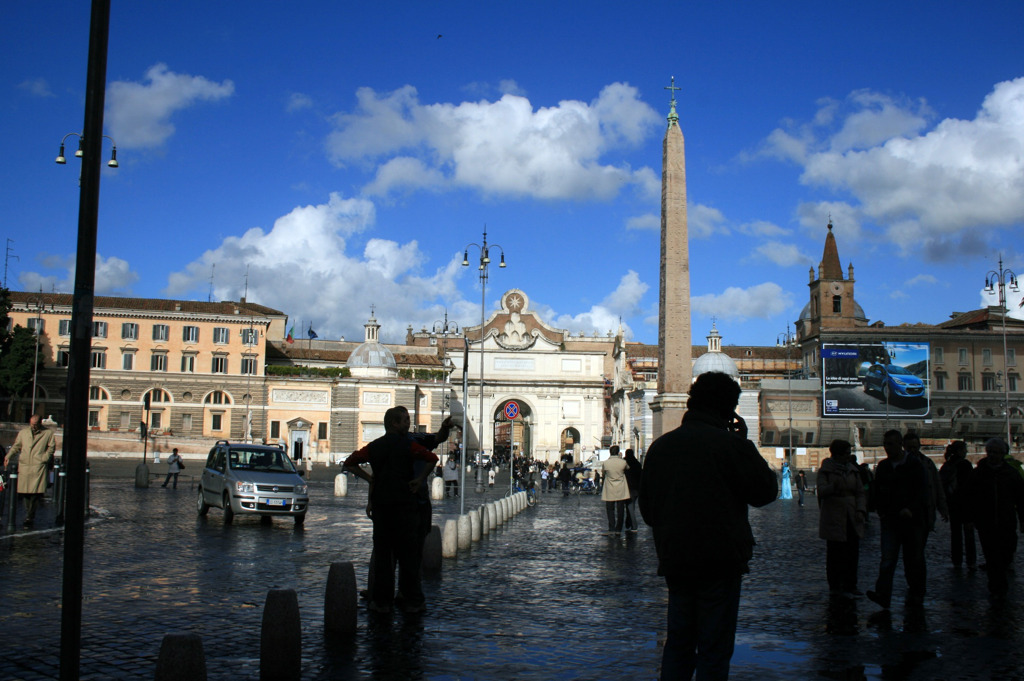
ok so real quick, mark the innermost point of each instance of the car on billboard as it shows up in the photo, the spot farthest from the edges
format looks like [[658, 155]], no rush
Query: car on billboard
[[892, 380]]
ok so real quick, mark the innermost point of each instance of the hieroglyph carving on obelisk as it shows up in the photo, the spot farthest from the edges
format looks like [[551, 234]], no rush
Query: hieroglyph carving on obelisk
[[675, 368]]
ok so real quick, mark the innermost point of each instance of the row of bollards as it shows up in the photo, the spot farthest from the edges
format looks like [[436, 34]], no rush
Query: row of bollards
[[460, 533]]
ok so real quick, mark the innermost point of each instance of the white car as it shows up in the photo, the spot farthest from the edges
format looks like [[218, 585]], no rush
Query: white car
[[252, 479]]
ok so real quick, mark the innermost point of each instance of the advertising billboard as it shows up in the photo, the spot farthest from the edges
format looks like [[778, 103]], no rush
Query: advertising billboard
[[875, 380]]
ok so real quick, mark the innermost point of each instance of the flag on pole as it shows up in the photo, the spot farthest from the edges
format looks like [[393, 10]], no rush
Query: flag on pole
[[291, 334], [311, 333]]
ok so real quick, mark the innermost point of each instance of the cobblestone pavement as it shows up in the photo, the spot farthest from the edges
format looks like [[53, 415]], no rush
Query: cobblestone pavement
[[545, 597]]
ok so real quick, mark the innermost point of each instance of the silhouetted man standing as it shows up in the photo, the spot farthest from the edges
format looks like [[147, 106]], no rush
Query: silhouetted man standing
[[698, 481]]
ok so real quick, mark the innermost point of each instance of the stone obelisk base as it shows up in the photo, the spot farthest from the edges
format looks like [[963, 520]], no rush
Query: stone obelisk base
[[667, 410]]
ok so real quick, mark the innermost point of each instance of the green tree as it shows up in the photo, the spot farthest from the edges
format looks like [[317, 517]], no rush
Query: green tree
[[16, 365], [5, 320]]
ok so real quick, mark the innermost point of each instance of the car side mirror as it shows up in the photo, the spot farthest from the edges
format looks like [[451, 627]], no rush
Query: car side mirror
[[302, 472]]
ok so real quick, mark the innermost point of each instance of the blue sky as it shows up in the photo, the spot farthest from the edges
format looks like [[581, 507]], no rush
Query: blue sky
[[346, 154]]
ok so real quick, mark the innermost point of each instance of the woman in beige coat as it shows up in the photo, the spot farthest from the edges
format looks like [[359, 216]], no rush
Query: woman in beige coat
[[34, 448], [844, 509]]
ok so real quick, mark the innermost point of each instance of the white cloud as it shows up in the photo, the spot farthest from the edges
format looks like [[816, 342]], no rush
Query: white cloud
[[846, 221], [37, 87], [303, 267], [505, 147], [113, 276], [704, 222], [784, 255], [762, 301], [298, 102], [650, 221], [921, 280], [623, 302], [762, 228], [138, 114], [405, 173], [935, 191]]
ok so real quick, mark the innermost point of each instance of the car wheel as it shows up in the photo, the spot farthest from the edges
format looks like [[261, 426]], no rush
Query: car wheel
[[300, 519], [229, 515], [201, 506]]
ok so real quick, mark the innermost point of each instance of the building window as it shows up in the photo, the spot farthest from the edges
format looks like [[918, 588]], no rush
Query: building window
[[986, 356], [250, 336], [321, 430], [768, 437], [1011, 357], [130, 331], [221, 335], [988, 382], [837, 304], [1011, 382], [808, 438], [98, 393], [190, 334], [63, 358], [99, 329], [64, 327], [249, 365], [188, 364], [158, 362], [938, 355], [36, 325], [216, 421], [275, 429], [219, 365], [964, 382], [161, 332], [157, 395], [186, 423], [940, 380], [217, 397], [99, 359], [961, 356], [155, 420], [126, 419], [128, 361], [94, 418]]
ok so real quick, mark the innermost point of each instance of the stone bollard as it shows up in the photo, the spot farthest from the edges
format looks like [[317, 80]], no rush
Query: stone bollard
[[484, 525], [432, 550], [474, 524], [181, 658], [464, 532], [506, 507], [436, 489], [142, 476], [341, 485], [450, 539], [281, 637], [515, 503], [499, 515], [340, 600], [492, 517]]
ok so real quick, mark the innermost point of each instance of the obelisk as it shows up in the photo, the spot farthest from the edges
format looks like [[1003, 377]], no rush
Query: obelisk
[[675, 368]]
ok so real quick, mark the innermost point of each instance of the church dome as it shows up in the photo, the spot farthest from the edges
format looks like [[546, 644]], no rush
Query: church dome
[[371, 355], [714, 359], [858, 312]]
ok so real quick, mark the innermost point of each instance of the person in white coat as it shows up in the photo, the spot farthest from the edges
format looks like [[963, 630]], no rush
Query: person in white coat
[[615, 492]]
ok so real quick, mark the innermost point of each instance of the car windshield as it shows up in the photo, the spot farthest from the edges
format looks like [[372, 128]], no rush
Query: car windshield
[[896, 370], [263, 460]]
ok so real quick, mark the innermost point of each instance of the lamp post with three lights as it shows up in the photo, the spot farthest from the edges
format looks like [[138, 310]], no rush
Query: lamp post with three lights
[[998, 281]]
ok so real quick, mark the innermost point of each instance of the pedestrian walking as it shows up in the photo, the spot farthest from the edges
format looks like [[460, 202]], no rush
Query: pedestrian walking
[[615, 492], [451, 478], [175, 465], [996, 504], [393, 508], [634, 472], [844, 509], [956, 475], [697, 483], [899, 495], [34, 448], [801, 485]]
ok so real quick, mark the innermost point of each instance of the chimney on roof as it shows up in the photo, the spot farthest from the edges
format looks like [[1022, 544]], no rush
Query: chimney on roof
[[242, 300]]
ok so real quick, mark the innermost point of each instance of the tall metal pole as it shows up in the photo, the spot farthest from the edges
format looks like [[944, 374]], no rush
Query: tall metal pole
[[1002, 278], [788, 339], [76, 405], [35, 363]]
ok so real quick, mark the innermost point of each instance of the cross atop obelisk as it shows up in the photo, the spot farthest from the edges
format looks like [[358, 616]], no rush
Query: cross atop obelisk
[[675, 354]]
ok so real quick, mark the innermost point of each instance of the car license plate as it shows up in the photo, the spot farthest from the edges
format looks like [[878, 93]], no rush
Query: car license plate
[[277, 502]]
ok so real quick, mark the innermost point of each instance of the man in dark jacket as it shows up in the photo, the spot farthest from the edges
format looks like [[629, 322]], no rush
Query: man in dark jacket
[[394, 509], [697, 483], [900, 495], [956, 476], [996, 503]]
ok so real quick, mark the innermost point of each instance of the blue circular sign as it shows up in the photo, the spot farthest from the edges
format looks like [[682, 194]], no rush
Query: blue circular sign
[[511, 410]]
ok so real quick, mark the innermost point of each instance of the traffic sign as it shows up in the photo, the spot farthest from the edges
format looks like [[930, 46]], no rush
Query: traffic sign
[[512, 410]]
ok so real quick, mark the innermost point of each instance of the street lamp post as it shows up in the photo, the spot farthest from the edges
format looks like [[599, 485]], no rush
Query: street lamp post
[[485, 260], [443, 328], [999, 280], [788, 340], [35, 362]]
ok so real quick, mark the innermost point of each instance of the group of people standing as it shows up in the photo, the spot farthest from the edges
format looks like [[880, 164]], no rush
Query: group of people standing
[[908, 492], [621, 490]]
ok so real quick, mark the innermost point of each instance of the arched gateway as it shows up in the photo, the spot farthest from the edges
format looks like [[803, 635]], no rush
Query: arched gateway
[[513, 423]]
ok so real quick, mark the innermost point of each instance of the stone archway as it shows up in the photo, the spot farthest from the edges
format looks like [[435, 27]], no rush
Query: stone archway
[[513, 426], [569, 445]]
